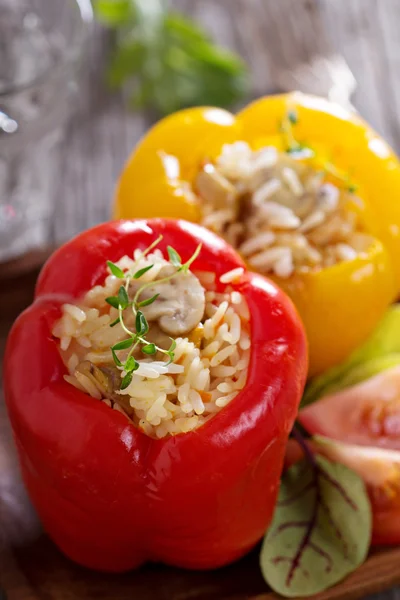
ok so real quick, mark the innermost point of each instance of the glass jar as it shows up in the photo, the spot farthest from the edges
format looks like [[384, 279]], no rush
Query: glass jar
[[41, 44]]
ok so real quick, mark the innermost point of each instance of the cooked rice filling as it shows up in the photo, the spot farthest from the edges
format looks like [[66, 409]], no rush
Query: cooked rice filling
[[280, 213], [210, 331]]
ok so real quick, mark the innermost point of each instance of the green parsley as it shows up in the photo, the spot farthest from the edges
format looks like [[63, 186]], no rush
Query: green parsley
[[165, 61]]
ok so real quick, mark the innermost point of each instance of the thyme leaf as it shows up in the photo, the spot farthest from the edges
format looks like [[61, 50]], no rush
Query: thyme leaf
[[123, 299], [121, 302], [148, 301], [174, 257], [124, 344], [149, 349], [115, 270], [141, 272], [141, 324], [126, 380], [113, 301]]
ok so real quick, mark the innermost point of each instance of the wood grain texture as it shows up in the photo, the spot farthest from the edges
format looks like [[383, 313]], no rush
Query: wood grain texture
[[276, 37], [379, 572], [40, 572]]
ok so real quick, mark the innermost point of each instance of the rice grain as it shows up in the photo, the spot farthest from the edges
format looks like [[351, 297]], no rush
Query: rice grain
[[165, 399]]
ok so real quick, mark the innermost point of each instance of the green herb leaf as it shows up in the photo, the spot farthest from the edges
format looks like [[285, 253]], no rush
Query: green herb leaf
[[293, 149], [126, 381], [148, 301], [113, 301], [380, 352], [188, 263], [131, 365], [123, 299], [149, 349], [320, 531], [170, 351], [171, 357], [114, 323], [172, 346], [292, 116], [141, 272], [126, 61], [123, 345], [116, 359], [113, 12], [141, 324], [115, 270], [168, 60], [300, 151], [174, 257]]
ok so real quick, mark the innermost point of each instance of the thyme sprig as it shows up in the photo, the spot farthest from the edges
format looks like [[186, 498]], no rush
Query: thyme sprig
[[291, 144], [294, 147], [122, 302]]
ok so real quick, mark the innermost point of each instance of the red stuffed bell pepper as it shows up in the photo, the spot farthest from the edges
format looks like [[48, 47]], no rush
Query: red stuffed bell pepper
[[183, 475]]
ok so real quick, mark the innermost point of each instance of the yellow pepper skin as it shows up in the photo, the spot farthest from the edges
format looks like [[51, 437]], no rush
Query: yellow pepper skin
[[339, 305], [166, 158]]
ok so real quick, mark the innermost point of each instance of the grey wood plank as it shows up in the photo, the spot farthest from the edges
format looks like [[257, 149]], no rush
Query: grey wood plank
[[358, 36], [98, 140]]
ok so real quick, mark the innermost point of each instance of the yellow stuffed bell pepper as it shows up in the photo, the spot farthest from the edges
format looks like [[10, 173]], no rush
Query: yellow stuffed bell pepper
[[305, 190]]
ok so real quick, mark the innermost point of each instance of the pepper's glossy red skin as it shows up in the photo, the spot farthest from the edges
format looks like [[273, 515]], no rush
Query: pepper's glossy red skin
[[112, 497]]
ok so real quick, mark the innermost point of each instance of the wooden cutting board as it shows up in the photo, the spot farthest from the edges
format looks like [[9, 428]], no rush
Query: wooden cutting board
[[38, 571]]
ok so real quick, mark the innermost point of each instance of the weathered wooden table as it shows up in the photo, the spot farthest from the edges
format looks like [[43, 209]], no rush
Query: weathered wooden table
[[273, 36]]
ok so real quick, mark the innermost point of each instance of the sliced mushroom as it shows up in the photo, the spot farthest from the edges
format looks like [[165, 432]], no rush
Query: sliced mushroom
[[245, 206], [107, 380], [215, 189], [180, 305], [124, 402]]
